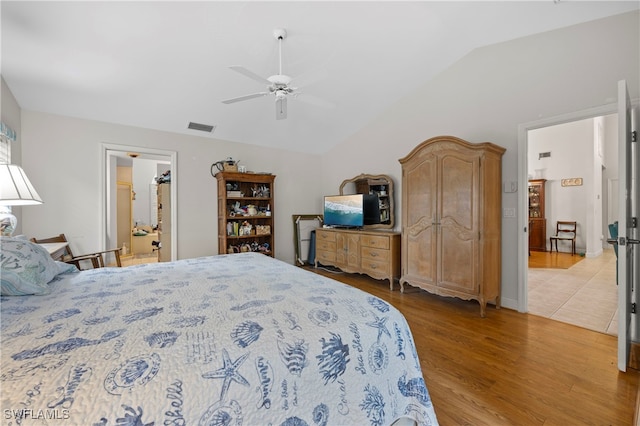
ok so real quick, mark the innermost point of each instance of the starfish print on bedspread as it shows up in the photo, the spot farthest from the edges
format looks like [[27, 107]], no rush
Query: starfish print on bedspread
[[381, 325], [228, 372]]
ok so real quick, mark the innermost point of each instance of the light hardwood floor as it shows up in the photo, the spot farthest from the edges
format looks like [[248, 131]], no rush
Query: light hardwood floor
[[509, 368]]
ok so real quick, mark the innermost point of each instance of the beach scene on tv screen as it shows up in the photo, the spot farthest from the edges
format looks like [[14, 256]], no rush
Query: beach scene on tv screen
[[343, 210]]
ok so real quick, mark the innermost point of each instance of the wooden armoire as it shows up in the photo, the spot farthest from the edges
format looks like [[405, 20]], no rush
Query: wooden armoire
[[451, 219]]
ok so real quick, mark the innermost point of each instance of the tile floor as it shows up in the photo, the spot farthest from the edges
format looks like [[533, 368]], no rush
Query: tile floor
[[139, 259], [584, 295]]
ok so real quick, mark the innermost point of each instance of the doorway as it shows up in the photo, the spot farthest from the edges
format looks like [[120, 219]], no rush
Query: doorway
[[598, 264], [115, 156]]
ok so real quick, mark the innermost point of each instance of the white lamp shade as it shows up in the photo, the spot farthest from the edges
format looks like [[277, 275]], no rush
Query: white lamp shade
[[15, 187]]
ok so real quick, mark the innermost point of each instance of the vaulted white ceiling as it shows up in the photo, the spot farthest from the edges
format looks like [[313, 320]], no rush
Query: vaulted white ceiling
[[161, 65]]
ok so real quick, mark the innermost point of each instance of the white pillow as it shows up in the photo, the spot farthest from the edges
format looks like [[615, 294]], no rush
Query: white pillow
[[27, 268]]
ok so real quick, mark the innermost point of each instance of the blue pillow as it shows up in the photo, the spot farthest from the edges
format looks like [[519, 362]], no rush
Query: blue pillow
[[27, 268]]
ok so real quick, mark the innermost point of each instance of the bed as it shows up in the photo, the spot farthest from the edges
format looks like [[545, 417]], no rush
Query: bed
[[241, 339]]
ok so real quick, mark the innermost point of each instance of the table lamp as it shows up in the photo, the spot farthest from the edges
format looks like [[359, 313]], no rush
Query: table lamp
[[15, 190]]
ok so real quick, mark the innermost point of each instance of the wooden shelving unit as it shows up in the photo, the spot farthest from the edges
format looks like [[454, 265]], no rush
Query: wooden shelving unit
[[246, 211], [537, 220]]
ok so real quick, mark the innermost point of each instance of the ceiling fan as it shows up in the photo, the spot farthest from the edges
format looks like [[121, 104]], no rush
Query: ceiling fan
[[277, 85]]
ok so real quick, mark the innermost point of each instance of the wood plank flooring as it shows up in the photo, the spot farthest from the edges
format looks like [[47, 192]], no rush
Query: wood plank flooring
[[509, 368], [545, 259]]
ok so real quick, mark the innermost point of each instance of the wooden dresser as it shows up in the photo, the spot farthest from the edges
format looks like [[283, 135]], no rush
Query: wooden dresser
[[451, 219], [374, 253]]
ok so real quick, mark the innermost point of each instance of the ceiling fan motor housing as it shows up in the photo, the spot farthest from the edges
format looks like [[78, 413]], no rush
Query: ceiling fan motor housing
[[280, 33], [280, 80]]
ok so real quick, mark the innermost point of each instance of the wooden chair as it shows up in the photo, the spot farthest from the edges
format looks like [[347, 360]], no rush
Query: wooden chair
[[565, 231], [96, 258]]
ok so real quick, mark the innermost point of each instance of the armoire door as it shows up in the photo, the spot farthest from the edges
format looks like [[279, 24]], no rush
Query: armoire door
[[458, 236], [420, 216]]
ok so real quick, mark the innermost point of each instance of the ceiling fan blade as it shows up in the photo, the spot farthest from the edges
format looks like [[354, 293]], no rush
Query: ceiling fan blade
[[250, 74], [244, 98], [281, 109]]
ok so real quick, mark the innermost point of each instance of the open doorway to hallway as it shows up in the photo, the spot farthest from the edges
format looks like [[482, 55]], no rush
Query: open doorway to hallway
[[139, 216], [576, 162]]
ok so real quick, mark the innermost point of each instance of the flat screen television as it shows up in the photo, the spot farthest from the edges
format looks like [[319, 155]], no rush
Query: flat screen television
[[344, 210], [351, 211], [371, 207]]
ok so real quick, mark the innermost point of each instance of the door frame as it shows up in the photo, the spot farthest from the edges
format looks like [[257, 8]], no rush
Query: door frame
[[107, 187], [523, 207]]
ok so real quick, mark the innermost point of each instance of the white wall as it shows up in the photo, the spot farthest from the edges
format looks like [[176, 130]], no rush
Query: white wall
[[487, 94], [63, 156]]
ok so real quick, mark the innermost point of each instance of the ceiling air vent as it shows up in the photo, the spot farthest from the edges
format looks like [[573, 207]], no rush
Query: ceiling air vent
[[202, 127]]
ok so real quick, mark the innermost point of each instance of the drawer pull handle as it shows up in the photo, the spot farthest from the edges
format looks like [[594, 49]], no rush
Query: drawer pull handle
[[374, 254]]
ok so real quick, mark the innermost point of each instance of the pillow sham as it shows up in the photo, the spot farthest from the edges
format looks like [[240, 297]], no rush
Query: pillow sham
[[27, 268]]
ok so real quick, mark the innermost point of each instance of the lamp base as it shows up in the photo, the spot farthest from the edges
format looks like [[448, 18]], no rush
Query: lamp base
[[8, 222]]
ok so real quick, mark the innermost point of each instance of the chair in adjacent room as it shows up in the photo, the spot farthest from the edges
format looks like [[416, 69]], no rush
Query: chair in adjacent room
[[565, 231], [65, 255]]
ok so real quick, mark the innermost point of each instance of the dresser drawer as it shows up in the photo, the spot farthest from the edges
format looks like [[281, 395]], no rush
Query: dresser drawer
[[325, 235], [374, 268], [326, 257], [376, 241], [326, 246], [375, 254]]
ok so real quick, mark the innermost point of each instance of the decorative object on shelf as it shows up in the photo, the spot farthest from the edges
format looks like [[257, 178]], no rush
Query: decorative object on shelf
[[15, 190], [260, 191], [263, 229], [164, 177], [228, 165], [571, 182]]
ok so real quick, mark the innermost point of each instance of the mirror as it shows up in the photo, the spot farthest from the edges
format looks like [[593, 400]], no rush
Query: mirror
[[380, 185], [303, 225]]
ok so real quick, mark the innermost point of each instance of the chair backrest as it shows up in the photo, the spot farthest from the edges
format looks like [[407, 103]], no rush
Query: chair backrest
[[57, 239], [566, 228]]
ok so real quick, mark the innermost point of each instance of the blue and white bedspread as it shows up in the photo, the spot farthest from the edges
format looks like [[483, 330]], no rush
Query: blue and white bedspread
[[238, 339]]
